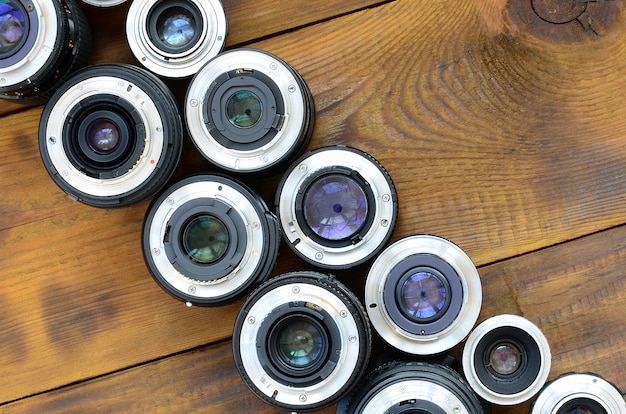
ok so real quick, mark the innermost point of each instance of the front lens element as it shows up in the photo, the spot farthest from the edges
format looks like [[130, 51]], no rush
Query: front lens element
[[244, 109], [103, 136], [12, 26], [580, 410], [176, 27], [205, 239], [300, 343], [505, 358], [335, 207], [423, 296]]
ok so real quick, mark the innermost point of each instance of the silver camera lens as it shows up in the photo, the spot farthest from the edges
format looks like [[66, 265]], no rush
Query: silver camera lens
[[337, 207], [301, 341], [506, 359], [174, 38], [208, 240], [103, 3], [41, 43], [579, 393], [423, 295], [412, 387], [111, 136], [248, 111]]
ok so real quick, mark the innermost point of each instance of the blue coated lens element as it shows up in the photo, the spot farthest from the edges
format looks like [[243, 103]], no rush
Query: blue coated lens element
[[12, 26], [103, 136], [423, 295], [300, 343], [335, 207], [176, 28]]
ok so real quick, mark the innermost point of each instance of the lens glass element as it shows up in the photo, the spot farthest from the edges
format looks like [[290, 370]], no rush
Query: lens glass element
[[103, 135], [423, 295], [205, 239], [244, 109], [580, 410], [300, 343], [12, 26], [335, 207], [176, 27], [505, 358]]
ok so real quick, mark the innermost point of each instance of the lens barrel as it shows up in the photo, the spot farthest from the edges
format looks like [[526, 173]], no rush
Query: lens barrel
[[412, 387], [209, 239], [247, 111], [41, 43], [423, 294], [111, 135], [579, 393], [175, 38], [506, 359], [337, 207], [301, 341]]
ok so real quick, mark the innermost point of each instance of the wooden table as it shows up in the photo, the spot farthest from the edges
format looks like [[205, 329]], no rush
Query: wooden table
[[503, 132]]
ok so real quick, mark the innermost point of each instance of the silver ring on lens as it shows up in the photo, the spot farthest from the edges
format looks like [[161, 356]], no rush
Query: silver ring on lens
[[104, 3], [174, 38], [584, 393], [248, 111], [506, 359], [208, 240], [412, 387], [301, 341], [41, 43], [337, 207], [111, 135], [423, 294]]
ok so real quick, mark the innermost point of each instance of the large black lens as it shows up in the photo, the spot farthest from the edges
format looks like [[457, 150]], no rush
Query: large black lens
[[41, 43]]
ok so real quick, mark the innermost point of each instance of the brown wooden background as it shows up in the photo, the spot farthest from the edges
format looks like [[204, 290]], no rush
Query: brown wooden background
[[503, 132]]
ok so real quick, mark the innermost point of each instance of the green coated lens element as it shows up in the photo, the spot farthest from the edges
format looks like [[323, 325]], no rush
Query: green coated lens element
[[300, 343], [244, 109], [205, 239]]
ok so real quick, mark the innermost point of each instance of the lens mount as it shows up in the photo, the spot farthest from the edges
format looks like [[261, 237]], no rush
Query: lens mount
[[44, 42], [208, 239], [412, 387], [175, 38], [301, 341], [423, 294], [111, 135], [506, 359], [588, 392], [337, 207], [248, 111]]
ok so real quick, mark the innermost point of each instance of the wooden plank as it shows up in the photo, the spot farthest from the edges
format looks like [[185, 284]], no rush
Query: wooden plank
[[585, 334], [499, 136]]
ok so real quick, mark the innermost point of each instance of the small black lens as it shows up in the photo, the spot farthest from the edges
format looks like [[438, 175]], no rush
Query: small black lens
[[205, 238], [103, 136], [13, 26]]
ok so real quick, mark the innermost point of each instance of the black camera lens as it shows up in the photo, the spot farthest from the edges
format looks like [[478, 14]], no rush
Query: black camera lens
[[111, 135], [506, 359], [403, 387], [301, 341], [174, 38], [579, 393], [41, 43], [337, 207], [248, 111], [208, 240], [423, 294]]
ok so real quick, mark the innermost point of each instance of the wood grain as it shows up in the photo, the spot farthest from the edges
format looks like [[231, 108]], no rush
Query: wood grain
[[503, 133]]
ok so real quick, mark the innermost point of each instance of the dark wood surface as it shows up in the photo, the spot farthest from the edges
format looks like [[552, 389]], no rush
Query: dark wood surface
[[503, 132]]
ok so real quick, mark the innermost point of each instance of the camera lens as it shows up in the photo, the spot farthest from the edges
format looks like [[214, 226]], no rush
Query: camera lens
[[208, 240], [301, 341], [174, 38], [337, 207], [41, 43], [412, 387], [111, 135], [506, 359], [423, 294], [248, 111], [579, 393]]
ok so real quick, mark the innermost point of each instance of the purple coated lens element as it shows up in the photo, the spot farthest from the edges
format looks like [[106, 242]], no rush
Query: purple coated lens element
[[12, 26], [423, 295], [335, 207]]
